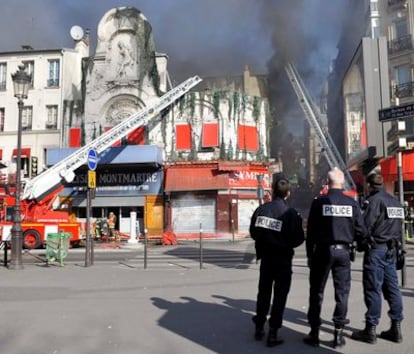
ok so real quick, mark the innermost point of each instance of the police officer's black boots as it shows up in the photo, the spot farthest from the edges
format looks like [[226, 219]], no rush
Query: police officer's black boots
[[259, 333], [259, 330], [272, 339], [394, 333], [339, 340], [313, 337], [367, 335]]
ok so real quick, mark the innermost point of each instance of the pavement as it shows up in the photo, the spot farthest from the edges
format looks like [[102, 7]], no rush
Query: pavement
[[121, 307]]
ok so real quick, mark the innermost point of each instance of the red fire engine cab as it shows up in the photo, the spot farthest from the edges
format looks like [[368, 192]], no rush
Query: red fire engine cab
[[38, 219]]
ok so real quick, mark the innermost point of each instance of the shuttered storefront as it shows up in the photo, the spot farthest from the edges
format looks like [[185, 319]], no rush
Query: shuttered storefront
[[245, 207], [189, 212]]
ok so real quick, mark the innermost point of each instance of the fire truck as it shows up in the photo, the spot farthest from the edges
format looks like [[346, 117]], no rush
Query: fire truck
[[41, 210], [313, 115]]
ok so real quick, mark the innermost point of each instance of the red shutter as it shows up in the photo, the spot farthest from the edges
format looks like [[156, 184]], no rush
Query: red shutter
[[210, 135], [247, 138], [74, 137], [1, 154], [137, 137], [183, 136]]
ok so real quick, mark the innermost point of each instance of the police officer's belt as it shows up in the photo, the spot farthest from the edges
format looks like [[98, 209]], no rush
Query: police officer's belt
[[379, 245], [339, 246], [336, 246]]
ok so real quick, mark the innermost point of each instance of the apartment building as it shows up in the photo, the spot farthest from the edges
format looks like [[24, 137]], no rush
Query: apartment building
[[56, 82]]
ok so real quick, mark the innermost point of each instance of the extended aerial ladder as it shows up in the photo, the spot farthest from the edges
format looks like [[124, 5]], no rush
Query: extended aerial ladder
[[313, 116], [46, 181]]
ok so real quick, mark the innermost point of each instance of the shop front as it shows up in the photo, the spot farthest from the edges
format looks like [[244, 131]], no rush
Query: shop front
[[129, 180], [215, 199], [389, 171]]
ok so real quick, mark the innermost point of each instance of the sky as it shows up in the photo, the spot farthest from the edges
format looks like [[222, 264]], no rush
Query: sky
[[201, 37]]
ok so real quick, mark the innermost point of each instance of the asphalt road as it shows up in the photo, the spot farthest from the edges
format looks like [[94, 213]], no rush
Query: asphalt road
[[172, 306]]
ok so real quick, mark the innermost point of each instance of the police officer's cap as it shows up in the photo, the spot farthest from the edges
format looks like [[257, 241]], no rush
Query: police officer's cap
[[375, 180]]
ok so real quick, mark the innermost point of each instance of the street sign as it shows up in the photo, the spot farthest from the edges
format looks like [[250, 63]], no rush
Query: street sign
[[92, 159], [91, 179], [397, 112]]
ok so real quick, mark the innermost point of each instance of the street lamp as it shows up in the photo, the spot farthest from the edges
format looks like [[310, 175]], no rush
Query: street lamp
[[21, 84]]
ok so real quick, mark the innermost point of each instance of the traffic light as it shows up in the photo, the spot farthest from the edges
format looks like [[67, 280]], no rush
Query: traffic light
[[33, 166]]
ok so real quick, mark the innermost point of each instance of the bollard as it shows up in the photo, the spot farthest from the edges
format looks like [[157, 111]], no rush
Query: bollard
[[201, 247], [232, 229], [145, 248], [5, 253]]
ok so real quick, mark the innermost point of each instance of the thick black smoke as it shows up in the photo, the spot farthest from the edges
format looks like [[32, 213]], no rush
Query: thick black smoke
[[305, 33], [213, 37], [204, 37]]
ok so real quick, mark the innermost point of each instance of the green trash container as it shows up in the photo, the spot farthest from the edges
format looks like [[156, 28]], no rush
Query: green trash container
[[57, 246]]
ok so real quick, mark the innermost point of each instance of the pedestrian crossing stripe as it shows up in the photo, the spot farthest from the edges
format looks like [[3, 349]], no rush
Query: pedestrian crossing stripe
[[269, 223], [337, 210]]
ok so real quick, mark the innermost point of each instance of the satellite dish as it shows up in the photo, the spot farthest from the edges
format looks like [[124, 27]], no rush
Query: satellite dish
[[76, 33]]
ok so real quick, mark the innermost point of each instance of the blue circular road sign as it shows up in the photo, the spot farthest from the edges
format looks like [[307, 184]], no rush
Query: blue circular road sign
[[92, 159]]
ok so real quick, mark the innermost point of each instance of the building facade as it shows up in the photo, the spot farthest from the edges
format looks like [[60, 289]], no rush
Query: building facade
[[56, 81], [196, 165]]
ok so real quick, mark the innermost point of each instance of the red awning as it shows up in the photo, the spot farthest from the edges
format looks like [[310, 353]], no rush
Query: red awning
[[194, 178], [25, 153], [210, 135], [389, 167]]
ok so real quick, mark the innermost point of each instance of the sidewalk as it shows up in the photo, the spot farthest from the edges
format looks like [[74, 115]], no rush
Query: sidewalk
[[113, 308]]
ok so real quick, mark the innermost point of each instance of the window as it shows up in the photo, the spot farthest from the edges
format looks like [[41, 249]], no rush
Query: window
[[27, 114], [75, 137], [3, 75], [247, 138], [1, 119], [137, 137], [52, 114], [54, 72], [401, 28], [30, 70], [210, 135], [183, 136], [403, 74]]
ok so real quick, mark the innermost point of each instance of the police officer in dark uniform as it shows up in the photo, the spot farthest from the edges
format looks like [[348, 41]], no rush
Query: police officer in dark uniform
[[277, 230], [383, 216], [335, 222]]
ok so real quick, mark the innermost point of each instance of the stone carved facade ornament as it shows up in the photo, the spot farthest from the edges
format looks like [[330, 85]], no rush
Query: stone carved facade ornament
[[124, 65], [120, 110]]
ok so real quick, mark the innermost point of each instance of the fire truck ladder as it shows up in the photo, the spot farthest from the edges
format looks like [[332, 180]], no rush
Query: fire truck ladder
[[47, 180], [313, 115]]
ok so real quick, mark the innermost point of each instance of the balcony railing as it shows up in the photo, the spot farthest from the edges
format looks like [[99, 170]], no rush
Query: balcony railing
[[400, 44], [403, 90]]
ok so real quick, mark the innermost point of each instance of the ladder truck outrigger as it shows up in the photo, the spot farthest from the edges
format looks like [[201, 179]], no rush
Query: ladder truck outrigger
[[313, 116], [40, 192]]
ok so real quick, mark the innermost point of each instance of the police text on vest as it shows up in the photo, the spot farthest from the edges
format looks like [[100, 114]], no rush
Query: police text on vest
[[269, 223], [337, 210], [395, 213]]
